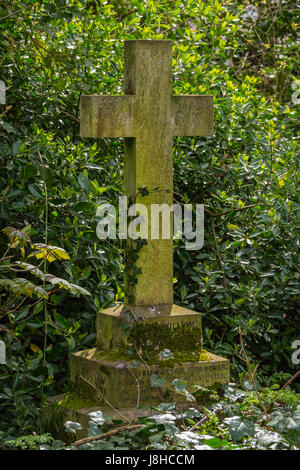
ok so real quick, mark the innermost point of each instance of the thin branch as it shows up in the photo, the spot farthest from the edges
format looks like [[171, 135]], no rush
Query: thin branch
[[104, 399], [77, 111], [291, 380], [217, 250], [251, 374], [138, 389], [16, 308], [41, 159], [202, 421], [132, 312], [256, 367], [86, 440], [34, 40], [284, 386], [69, 115], [10, 333], [197, 425], [143, 360], [234, 209], [127, 14], [6, 251], [13, 13]]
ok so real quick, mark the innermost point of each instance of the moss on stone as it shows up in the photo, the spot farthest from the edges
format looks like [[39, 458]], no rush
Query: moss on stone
[[75, 402], [177, 358], [153, 358], [113, 356], [159, 335]]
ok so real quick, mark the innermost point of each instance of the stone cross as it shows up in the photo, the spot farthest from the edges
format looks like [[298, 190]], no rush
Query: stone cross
[[148, 116]]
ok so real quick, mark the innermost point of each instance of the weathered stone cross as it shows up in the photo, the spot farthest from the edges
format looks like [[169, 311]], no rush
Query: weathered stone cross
[[148, 116], [167, 339]]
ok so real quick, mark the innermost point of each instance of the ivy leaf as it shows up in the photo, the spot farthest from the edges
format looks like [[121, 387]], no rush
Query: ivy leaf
[[239, 428], [157, 437], [266, 438], [165, 354], [72, 427], [165, 407], [143, 191], [168, 421], [180, 386], [285, 423], [189, 436], [94, 429], [232, 393], [156, 382], [97, 417]]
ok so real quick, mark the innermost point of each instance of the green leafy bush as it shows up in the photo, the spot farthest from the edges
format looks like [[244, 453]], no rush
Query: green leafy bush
[[247, 273]]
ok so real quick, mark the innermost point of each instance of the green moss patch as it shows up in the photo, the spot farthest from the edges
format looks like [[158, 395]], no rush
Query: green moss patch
[[74, 401], [152, 358]]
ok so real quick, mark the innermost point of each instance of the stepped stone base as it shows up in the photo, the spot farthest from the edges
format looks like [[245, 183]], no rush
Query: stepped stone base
[[120, 381], [70, 407], [132, 345], [149, 327]]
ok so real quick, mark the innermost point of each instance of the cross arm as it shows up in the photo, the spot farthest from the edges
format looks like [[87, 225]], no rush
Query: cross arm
[[107, 116], [193, 115]]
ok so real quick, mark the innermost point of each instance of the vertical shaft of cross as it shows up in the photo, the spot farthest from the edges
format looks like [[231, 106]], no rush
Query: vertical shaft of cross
[[148, 161], [148, 116]]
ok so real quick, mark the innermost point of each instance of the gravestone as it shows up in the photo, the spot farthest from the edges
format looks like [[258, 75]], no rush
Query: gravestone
[[148, 334]]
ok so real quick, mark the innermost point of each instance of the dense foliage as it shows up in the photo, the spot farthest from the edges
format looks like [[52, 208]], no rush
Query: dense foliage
[[51, 181], [238, 419]]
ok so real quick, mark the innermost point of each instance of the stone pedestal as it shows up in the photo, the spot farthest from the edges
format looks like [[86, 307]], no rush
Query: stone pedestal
[[131, 346]]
